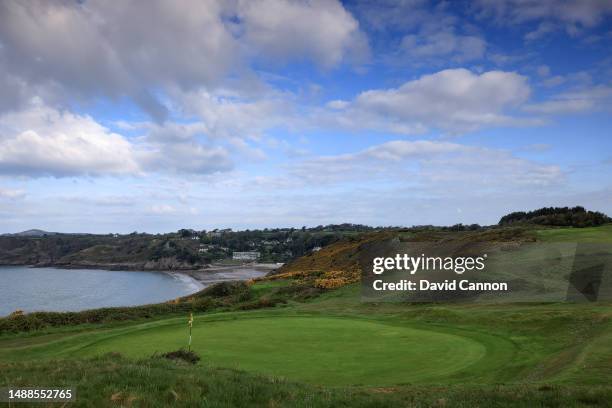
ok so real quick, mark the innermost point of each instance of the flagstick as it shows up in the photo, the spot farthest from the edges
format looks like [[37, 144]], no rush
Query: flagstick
[[190, 323]]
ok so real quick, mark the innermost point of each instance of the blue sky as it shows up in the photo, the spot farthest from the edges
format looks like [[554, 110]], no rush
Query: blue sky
[[265, 113]]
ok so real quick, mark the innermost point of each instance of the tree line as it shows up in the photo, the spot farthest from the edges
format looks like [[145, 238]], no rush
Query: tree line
[[558, 216]]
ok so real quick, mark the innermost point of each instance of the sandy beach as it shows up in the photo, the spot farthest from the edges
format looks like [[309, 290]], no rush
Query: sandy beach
[[219, 273]]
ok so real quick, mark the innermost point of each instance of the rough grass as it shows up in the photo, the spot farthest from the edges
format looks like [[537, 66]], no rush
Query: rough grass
[[113, 380], [553, 355], [188, 356]]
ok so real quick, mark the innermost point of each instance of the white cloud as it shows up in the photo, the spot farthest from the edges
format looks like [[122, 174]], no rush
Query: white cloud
[[453, 100], [581, 100], [232, 116], [320, 30], [435, 166], [337, 104], [190, 158], [41, 141], [376, 162], [393, 14], [85, 50], [575, 79], [586, 13], [543, 70], [97, 48], [11, 194], [502, 59], [429, 34], [97, 200], [162, 209], [443, 44], [557, 106], [535, 148], [554, 81], [180, 148], [543, 29]]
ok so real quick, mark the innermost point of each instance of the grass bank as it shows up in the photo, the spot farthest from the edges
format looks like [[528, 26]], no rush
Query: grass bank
[[328, 349]]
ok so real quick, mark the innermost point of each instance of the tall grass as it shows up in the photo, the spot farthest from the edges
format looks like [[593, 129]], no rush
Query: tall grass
[[113, 380]]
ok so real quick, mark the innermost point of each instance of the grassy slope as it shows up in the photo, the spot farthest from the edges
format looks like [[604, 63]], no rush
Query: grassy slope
[[547, 354], [601, 234], [554, 353], [333, 266]]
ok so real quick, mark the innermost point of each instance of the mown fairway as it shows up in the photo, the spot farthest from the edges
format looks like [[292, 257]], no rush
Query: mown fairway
[[318, 350], [601, 234], [313, 349]]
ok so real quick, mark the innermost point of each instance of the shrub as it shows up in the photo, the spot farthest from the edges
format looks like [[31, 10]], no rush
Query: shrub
[[260, 303], [183, 355], [218, 295], [223, 289]]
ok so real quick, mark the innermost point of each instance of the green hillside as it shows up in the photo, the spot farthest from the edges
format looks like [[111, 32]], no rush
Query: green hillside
[[601, 234], [303, 349]]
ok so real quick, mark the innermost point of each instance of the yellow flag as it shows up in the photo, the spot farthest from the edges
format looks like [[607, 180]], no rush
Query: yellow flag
[[190, 322]]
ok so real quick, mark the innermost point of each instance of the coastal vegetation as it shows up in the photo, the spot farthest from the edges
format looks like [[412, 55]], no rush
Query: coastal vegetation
[[223, 296], [189, 249], [185, 249], [301, 336]]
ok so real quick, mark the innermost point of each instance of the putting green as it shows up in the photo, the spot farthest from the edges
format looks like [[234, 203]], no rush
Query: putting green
[[338, 351]]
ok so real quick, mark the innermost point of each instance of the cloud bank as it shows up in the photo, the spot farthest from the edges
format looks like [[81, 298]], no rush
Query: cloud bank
[[453, 100]]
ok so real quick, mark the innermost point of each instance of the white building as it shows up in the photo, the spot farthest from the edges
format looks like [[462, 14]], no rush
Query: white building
[[246, 256]]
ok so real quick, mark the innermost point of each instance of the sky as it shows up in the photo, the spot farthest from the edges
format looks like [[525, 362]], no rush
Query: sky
[[159, 115]]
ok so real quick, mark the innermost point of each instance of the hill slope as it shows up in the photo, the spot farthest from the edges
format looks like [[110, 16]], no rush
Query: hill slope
[[337, 264]]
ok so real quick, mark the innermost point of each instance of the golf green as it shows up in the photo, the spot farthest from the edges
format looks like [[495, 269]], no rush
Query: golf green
[[319, 350]]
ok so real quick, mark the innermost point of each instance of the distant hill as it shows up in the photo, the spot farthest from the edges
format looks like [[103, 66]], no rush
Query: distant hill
[[126, 252], [32, 233], [184, 249], [557, 216]]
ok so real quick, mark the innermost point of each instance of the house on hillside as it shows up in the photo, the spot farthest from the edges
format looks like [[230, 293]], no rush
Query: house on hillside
[[218, 232], [246, 256]]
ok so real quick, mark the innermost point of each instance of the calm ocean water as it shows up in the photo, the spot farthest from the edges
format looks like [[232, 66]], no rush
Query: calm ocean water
[[51, 289]]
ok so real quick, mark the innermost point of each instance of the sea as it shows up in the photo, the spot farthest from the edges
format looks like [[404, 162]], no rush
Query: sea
[[55, 289]]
